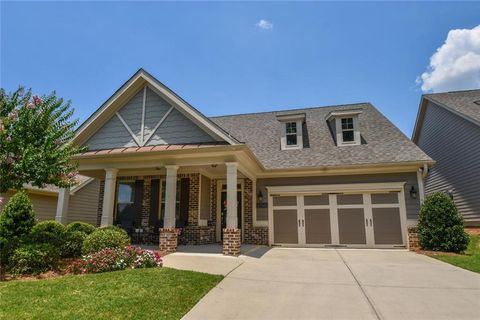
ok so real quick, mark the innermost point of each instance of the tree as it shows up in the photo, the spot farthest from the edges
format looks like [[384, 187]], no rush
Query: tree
[[440, 225], [36, 141]]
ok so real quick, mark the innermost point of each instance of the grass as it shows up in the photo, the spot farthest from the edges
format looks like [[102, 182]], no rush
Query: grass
[[157, 293], [470, 260]]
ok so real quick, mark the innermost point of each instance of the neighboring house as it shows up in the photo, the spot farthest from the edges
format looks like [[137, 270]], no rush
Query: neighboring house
[[82, 204], [329, 176], [448, 130]]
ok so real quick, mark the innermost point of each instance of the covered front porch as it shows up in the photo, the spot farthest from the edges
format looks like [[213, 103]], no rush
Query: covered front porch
[[174, 204]]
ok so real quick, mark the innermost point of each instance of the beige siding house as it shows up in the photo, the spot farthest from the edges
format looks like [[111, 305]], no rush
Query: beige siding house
[[448, 130], [82, 206], [334, 176]]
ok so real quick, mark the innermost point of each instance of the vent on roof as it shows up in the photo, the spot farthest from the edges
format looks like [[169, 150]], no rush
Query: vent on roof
[[477, 102]]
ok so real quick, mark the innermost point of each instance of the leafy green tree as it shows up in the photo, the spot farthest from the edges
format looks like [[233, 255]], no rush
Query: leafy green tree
[[440, 225], [36, 141]]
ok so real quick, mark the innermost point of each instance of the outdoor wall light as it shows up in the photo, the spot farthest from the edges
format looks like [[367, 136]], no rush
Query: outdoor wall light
[[260, 196], [413, 193]]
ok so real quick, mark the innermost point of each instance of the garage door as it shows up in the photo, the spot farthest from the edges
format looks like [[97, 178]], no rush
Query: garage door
[[370, 219]]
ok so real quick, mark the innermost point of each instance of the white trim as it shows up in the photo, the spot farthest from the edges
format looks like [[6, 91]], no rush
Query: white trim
[[80, 186], [339, 131], [299, 133], [343, 114], [291, 117], [128, 129], [262, 223], [421, 188], [158, 125], [340, 188], [201, 222], [143, 114]]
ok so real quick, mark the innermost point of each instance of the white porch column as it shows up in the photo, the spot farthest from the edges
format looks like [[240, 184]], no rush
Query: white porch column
[[109, 197], [170, 197], [62, 205], [232, 219], [421, 187]]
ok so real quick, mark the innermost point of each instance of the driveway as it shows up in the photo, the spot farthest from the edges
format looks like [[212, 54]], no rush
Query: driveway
[[341, 284]]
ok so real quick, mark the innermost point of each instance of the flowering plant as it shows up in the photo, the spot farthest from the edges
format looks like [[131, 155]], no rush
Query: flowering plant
[[116, 259]]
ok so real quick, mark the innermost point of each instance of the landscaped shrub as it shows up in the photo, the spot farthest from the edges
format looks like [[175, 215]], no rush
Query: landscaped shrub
[[72, 244], [115, 228], [440, 226], [105, 238], [109, 259], [17, 217], [34, 259], [81, 226], [16, 221], [50, 232]]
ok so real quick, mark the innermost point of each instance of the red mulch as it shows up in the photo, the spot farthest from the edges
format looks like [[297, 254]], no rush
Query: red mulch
[[473, 230]]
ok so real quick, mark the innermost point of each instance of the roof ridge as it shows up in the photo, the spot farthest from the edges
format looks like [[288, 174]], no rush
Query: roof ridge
[[295, 109], [454, 91]]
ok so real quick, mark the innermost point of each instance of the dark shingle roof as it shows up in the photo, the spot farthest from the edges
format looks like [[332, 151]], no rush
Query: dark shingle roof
[[460, 101], [385, 143]]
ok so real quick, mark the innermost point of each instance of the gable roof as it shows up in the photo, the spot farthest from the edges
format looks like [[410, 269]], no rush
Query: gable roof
[[465, 104], [128, 90], [385, 143]]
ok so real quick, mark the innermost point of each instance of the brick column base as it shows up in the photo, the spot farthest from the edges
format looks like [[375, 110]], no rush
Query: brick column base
[[413, 243], [231, 242], [168, 240]]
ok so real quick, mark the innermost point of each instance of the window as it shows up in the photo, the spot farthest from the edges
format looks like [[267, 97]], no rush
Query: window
[[291, 133], [177, 202], [348, 133], [126, 192]]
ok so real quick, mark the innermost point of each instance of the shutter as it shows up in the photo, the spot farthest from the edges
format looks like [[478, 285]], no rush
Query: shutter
[[138, 202], [154, 204], [184, 200]]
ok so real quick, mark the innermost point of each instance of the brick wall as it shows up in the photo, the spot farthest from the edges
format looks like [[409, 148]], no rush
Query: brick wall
[[252, 234], [100, 202], [413, 243]]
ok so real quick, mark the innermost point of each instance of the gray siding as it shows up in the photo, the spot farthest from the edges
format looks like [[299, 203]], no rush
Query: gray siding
[[83, 205], [412, 205], [455, 144], [176, 129]]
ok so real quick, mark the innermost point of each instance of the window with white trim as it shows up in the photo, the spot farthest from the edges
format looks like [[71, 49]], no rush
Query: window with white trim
[[291, 134], [348, 132]]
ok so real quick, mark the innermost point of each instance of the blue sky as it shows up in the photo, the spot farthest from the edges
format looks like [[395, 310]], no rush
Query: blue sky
[[217, 57]]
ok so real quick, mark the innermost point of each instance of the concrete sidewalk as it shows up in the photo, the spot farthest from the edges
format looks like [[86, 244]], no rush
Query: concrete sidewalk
[[341, 284]]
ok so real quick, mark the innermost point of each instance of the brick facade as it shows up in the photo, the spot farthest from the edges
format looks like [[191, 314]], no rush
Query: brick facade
[[413, 243], [252, 234], [168, 240], [232, 242], [193, 233]]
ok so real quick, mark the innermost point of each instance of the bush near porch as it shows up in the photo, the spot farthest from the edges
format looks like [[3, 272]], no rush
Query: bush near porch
[[157, 293]]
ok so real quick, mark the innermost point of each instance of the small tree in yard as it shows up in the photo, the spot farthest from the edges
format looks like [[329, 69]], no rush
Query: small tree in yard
[[440, 225], [16, 221], [35, 144], [36, 138]]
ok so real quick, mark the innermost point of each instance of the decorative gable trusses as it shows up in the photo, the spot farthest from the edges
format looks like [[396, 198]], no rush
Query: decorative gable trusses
[[140, 85], [143, 138]]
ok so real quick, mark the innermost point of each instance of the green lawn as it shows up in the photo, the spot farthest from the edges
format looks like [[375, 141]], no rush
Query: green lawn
[[470, 260], [157, 293]]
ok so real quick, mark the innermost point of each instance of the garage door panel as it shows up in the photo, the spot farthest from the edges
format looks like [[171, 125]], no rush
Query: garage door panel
[[317, 226], [385, 198], [285, 226], [349, 199], [316, 200], [387, 226], [285, 201], [351, 226]]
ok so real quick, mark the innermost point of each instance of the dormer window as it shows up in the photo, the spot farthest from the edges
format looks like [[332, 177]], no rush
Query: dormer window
[[291, 131], [348, 134], [345, 128], [291, 134]]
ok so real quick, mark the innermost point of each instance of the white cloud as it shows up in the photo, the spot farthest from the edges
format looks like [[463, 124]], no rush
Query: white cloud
[[264, 24], [456, 64]]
